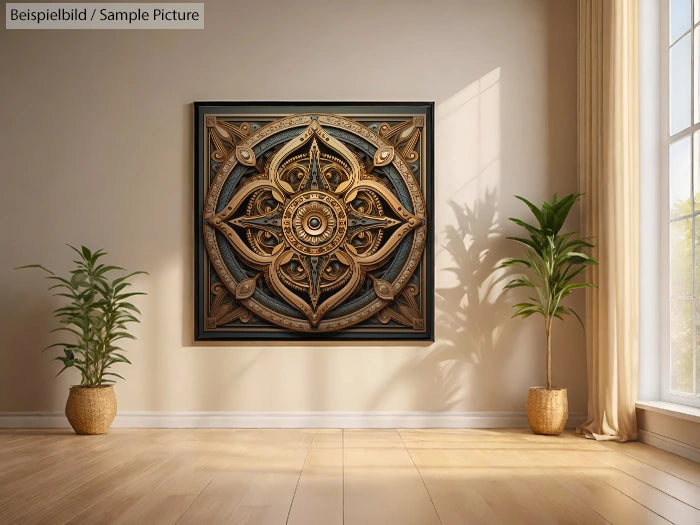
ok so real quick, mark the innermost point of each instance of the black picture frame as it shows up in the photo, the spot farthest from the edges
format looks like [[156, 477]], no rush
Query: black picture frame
[[204, 169]]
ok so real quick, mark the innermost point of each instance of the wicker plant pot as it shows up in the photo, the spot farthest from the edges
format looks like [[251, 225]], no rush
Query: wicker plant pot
[[547, 410], [91, 409]]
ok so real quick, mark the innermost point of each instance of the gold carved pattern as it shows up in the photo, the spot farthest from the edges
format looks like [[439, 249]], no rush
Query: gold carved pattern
[[398, 162], [405, 310], [404, 136], [224, 136], [314, 222], [224, 309]]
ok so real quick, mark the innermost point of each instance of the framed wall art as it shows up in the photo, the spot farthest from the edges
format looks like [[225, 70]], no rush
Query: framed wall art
[[313, 220]]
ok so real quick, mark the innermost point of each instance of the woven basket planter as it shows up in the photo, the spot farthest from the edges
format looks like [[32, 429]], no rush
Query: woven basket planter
[[91, 409], [547, 410]]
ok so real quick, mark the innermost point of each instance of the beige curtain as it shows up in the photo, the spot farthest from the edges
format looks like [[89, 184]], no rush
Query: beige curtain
[[608, 115]]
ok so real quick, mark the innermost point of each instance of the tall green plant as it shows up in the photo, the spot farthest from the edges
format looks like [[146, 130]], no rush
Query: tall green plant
[[553, 260], [95, 318]]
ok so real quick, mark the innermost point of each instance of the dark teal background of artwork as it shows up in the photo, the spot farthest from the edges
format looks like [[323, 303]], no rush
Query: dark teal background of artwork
[[260, 329]]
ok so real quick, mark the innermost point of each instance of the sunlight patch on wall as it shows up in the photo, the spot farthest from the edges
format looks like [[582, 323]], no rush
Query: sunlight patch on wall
[[469, 308], [468, 157]]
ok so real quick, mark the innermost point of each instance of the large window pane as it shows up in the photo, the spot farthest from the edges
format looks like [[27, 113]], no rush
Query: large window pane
[[696, 74], [683, 106], [681, 247], [679, 86], [679, 202], [682, 345], [678, 18], [697, 358], [697, 304], [696, 168]]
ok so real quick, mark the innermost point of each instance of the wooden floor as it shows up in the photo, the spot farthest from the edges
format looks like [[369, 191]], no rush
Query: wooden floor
[[330, 477]]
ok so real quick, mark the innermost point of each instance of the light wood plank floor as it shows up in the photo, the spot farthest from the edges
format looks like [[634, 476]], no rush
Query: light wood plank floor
[[334, 477]]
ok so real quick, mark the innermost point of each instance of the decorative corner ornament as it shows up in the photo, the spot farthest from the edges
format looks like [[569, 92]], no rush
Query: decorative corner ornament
[[313, 221]]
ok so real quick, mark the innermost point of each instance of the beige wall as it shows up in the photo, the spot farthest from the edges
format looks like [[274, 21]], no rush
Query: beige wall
[[96, 148]]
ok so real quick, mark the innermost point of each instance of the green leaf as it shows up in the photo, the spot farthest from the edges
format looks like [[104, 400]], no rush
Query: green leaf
[[527, 242], [571, 311], [125, 277], [524, 315], [129, 306], [534, 209], [34, 266], [59, 279], [566, 289], [516, 262], [520, 281], [126, 318], [86, 253], [580, 321], [61, 371], [67, 329], [113, 374], [55, 345], [126, 295], [80, 253], [524, 305], [102, 270], [531, 229], [120, 335], [118, 358]]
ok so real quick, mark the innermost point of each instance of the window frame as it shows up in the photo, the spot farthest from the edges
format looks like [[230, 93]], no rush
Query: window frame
[[666, 394]]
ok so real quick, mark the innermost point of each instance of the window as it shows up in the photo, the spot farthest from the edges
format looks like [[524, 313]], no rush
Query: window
[[681, 52]]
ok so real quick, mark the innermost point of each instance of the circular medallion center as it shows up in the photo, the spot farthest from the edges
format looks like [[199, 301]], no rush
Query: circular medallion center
[[314, 223]]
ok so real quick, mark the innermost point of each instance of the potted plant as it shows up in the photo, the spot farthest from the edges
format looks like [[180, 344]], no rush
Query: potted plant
[[95, 318], [553, 262]]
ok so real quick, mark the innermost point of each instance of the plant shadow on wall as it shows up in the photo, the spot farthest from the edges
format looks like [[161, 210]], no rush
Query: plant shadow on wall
[[468, 314]]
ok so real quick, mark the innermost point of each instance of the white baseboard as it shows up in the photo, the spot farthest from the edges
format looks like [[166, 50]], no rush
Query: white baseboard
[[669, 445], [288, 420]]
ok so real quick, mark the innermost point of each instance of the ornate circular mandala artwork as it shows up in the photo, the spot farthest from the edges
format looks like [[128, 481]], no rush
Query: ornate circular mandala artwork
[[312, 221]]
